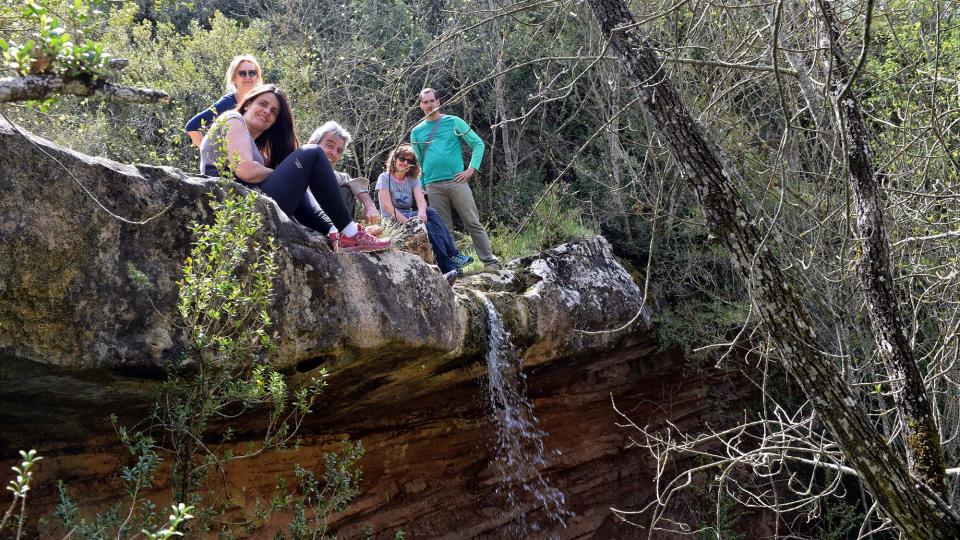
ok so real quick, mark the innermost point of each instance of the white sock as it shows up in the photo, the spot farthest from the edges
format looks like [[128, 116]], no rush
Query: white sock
[[351, 230], [333, 230]]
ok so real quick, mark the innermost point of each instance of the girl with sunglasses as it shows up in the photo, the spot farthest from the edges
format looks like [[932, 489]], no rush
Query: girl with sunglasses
[[258, 145], [401, 199], [242, 76]]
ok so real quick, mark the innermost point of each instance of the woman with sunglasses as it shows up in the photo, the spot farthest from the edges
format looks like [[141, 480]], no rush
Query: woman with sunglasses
[[401, 199], [242, 76], [257, 143]]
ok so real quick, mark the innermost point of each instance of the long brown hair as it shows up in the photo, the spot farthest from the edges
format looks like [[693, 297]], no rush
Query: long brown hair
[[404, 150], [280, 140]]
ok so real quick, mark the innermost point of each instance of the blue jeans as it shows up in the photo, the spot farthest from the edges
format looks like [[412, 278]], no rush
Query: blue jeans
[[440, 239]]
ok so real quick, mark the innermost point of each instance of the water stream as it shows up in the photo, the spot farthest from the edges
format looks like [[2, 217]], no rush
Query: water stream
[[520, 450]]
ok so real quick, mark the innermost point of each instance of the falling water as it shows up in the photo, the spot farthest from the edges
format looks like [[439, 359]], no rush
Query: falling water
[[520, 450]]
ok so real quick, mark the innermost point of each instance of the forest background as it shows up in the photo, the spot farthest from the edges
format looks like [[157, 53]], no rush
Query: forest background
[[568, 148]]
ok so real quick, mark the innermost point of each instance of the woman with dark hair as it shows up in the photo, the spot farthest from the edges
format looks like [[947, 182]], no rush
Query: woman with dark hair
[[257, 143], [243, 74], [401, 199]]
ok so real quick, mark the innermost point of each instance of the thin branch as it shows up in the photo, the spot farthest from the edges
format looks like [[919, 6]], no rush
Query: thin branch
[[32, 87]]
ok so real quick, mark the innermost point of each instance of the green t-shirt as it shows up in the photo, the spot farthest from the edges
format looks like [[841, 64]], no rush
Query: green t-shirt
[[442, 159]]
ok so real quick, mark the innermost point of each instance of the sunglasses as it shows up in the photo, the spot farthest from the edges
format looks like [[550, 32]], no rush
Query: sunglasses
[[405, 159], [244, 73]]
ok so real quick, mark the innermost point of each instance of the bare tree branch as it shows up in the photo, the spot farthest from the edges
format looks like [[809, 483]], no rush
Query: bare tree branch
[[918, 513], [43, 86]]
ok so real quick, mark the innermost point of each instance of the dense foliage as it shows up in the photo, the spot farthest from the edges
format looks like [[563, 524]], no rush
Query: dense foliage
[[537, 82]]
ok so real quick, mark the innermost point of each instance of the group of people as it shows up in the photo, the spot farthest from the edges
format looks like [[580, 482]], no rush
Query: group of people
[[251, 135]]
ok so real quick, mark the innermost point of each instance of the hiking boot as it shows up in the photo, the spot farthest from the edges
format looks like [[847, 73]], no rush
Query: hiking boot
[[461, 260], [493, 265], [362, 241]]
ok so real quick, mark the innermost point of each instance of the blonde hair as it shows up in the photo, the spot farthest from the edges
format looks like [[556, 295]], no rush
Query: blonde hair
[[234, 66], [405, 150]]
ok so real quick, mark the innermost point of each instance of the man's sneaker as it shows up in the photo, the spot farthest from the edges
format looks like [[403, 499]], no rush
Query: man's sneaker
[[362, 241], [452, 275], [461, 260]]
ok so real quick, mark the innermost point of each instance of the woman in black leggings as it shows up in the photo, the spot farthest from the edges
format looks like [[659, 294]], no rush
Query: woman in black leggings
[[257, 143]]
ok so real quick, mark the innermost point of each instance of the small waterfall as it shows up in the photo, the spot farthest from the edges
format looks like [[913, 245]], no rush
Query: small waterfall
[[520, 450]]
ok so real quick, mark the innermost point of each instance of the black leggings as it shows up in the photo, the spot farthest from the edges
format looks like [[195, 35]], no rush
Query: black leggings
[[307, 167]]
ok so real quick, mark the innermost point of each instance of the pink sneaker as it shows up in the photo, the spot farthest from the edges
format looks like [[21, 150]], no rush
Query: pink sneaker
[[362, 241]]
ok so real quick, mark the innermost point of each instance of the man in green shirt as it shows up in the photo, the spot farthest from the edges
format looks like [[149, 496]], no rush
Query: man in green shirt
[[436, 142]]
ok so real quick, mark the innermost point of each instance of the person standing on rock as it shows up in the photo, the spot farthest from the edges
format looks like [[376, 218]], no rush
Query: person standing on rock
[[436, 143]]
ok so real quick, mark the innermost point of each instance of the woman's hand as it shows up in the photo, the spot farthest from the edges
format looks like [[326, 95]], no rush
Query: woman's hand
[[422, 214], [402, 218]]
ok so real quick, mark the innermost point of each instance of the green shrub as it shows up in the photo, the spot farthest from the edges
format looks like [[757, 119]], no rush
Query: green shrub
[[552, 222]]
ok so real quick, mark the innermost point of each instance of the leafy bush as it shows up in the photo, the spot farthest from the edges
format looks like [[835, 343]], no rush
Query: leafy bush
[[552, 222]]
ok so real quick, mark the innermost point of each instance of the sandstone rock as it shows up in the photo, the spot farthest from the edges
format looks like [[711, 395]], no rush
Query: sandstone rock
[[412, 238], [80, 341], [71, 224]]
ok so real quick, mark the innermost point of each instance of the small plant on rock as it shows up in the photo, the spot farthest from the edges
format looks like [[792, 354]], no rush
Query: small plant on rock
[[224, 300]]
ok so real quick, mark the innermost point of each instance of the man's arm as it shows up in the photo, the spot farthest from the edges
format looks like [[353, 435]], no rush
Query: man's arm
[[370, 212], [476, 144], [466, 134], [359, 187], [415, 144]]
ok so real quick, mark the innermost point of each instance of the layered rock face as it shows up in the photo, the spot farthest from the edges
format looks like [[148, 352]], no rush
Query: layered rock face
[[79, 341]]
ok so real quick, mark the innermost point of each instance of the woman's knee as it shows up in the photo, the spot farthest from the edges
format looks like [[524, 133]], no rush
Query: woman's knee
[[307, 155]]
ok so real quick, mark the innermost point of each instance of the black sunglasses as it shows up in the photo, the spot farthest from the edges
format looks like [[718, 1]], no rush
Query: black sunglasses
[[405, 159], [245, 73]]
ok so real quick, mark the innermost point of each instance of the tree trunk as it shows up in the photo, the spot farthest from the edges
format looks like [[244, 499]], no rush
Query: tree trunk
[[922, 438], [916, 511], [610, 100], [509, 165]]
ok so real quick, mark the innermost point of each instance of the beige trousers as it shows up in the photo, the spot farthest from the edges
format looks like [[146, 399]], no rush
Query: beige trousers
[[448, 196]]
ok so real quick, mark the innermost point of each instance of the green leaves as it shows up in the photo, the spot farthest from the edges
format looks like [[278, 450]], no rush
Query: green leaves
[[51, 48], [20, 485], [313, 500], [227, 283], [224, 299], [181, 513]]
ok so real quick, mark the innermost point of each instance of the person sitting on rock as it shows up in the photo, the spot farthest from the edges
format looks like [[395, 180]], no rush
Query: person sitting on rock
[[401, 199], [243, 75], [258, 145], [333, 140]]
